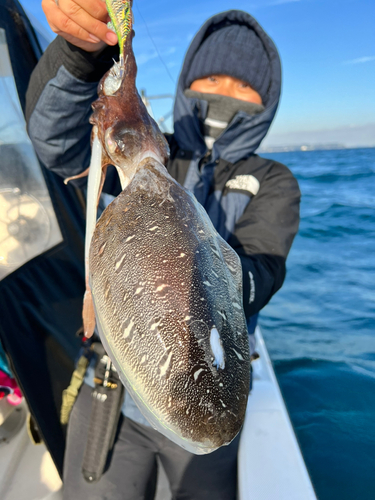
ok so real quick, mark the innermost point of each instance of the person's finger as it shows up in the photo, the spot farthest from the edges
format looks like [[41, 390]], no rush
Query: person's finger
[[87, 46], [69, 19], [95, 8], [62, 25], [97, 29]]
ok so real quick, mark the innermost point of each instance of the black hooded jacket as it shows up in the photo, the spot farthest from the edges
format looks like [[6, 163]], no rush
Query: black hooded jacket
[[253, 202]]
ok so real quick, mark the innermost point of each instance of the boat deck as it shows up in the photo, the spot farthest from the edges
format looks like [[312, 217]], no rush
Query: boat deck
[[27, 472], [271, 465], [270, 462]]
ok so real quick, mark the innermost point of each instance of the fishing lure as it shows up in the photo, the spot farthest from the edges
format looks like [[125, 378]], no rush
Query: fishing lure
[[120, 12]]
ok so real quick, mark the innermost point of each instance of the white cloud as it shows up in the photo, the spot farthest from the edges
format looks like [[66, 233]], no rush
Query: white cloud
[[360, 60], [143, 58]]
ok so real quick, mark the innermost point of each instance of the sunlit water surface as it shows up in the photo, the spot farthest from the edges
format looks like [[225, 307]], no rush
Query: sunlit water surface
[[320, 327]]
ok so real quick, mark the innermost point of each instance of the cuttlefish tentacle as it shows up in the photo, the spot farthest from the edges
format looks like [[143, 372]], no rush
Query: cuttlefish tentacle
[[96, 173], [85, 173], [122, 20], [94, 187]]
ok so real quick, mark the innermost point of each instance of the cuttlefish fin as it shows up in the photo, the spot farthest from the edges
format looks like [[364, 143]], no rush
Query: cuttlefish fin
[[95, 184]]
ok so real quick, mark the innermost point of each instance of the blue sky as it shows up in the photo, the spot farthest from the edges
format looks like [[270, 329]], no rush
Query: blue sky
[[327, 49]]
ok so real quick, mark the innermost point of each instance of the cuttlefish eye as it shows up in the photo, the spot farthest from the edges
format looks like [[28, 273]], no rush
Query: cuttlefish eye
[[114, 142], [124, 141]]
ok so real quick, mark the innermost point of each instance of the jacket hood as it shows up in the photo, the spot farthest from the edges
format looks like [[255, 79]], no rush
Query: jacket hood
[[245, 132]]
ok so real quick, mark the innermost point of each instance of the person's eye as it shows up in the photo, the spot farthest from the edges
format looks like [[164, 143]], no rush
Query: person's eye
[[244, 85], [212, 79]]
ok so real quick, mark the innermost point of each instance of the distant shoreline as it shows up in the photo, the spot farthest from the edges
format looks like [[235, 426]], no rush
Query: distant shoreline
[[309, 147]]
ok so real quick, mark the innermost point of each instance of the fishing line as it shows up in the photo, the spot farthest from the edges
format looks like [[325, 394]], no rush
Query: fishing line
[[154, 44]]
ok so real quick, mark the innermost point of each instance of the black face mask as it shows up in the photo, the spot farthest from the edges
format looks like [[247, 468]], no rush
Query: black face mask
[[221, 110]]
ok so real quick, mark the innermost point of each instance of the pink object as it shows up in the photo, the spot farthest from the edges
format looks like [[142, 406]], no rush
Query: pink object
[[13, 399]]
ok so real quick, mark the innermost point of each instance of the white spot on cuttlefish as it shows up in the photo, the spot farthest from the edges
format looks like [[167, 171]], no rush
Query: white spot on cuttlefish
[[217, 349], [101, 249], [155, 325], [161, 287], [154, 228], [214, 249], [239, 356], [222, 315], [119, 262], [130, 238], [237, 306], [164, 367], [197, 373], [138, 290], [128, 329], [207, 283]]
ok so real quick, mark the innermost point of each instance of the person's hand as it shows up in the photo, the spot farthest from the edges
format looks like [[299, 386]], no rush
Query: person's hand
[[83, 23]]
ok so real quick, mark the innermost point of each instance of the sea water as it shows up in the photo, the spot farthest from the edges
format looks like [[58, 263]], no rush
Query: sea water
[[320, 327]]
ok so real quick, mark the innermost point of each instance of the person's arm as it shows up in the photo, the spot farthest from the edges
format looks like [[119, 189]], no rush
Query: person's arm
[[264, 234], [63, 85], [58, 104]]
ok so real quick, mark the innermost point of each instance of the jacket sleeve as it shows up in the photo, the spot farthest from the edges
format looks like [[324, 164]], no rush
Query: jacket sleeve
[[58, 105], [264, 234]]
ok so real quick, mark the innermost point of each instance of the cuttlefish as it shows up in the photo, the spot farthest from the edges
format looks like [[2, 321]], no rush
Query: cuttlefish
[[164, 287]]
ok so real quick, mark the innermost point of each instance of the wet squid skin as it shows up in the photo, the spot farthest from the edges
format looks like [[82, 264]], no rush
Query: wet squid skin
[[167, 289], [162, 280], [125, 128]]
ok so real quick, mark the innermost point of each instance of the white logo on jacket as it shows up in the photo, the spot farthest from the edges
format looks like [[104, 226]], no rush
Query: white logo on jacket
[[245, 183]]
